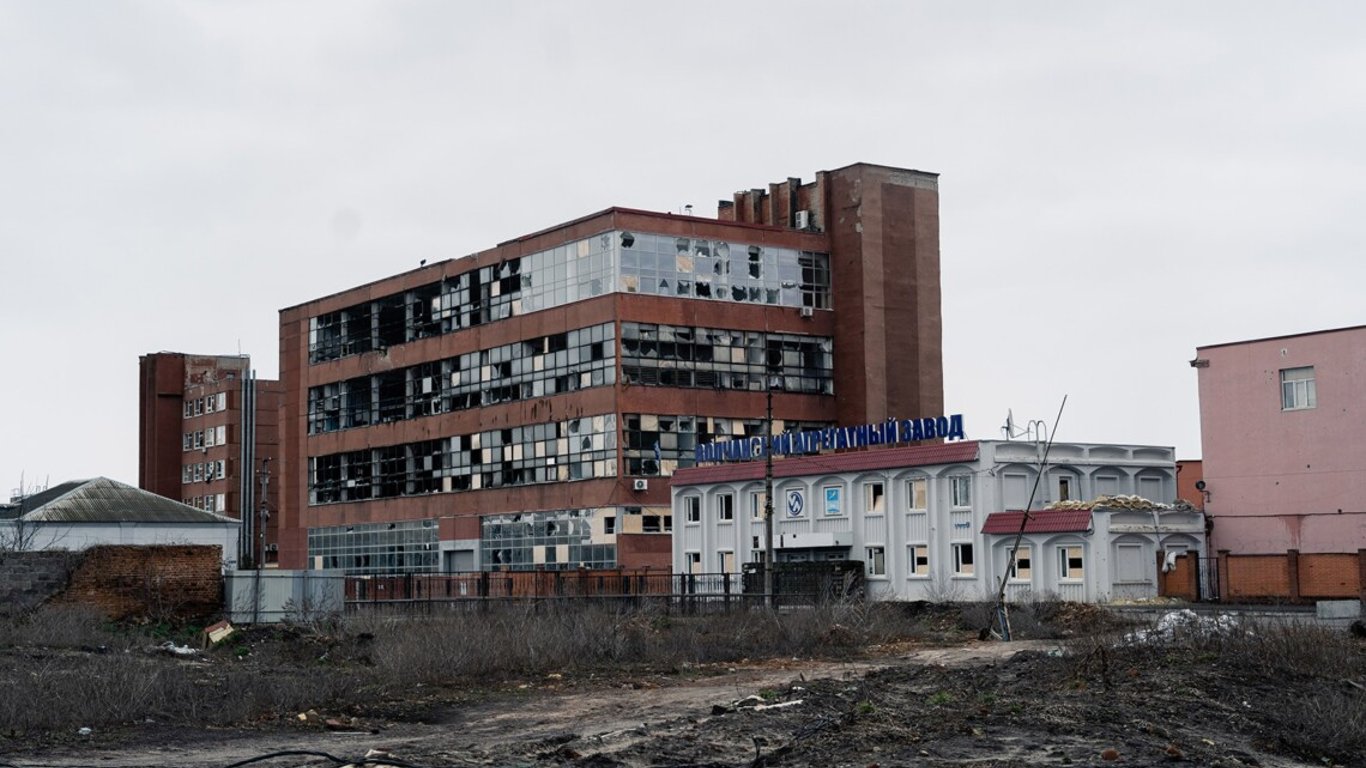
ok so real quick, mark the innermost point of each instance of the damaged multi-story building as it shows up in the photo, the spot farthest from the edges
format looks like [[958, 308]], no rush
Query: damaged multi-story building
[[206, 429], [524, 406]]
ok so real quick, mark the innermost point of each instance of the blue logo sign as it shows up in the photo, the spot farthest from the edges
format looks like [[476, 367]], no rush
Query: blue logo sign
[[796, 503], [832, 502]]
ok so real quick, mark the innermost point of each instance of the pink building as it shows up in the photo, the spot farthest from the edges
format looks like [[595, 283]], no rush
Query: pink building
[[1283, 428]]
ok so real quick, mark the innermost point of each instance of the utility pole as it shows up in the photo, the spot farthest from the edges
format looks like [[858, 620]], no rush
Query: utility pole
[[262, 516], [768, 498], [264, 513]]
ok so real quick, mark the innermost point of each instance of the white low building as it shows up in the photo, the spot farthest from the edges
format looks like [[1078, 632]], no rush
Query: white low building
[[937, 522], [84, 513]]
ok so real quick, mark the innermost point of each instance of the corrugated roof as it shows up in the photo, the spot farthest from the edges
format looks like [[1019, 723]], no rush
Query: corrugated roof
[[829, 463], [1040, 521], [102, 500]]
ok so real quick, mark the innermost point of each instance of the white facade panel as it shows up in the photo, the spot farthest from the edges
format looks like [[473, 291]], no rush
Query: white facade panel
[[941, 553]]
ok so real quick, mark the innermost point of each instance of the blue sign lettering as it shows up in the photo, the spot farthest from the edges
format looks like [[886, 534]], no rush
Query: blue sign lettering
[[889, 432]]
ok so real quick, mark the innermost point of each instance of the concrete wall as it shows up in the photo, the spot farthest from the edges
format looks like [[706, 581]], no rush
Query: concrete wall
[[1280, 480], [27, 579]]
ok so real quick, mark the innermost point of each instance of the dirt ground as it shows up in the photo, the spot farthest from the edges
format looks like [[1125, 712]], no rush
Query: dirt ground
[[968, 704]]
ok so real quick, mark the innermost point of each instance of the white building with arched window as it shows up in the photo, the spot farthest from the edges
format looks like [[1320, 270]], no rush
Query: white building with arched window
[[937, 522]]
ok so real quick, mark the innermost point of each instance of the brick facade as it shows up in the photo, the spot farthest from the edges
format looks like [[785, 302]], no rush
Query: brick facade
[[1292, 576], [169, 582]]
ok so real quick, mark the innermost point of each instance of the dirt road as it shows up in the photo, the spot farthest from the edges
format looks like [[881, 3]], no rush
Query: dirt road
[[981, 704]]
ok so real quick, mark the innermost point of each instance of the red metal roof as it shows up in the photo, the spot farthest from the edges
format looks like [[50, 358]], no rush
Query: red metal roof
[[1040, 521], [831, 463]]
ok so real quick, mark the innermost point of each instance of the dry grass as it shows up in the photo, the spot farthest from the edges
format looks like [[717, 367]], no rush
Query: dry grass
[[1254, 667], [522, 641]]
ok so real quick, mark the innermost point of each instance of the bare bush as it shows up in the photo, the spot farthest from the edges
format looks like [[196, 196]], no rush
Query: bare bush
[[61, 626], [1330, 725], [526, 640]]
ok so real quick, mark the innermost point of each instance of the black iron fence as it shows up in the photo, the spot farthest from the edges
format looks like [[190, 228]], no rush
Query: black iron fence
[[795, 584]]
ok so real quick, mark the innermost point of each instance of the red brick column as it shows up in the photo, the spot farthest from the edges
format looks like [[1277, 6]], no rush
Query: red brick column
[[1225, 589], [1292, 569], [1361, 574]]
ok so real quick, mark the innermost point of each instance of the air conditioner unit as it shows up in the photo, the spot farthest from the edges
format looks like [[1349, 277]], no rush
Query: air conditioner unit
[[802, 220], [808, 312], [640, 484]]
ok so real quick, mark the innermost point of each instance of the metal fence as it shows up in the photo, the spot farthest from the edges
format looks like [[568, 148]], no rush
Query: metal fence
[[686, 592]]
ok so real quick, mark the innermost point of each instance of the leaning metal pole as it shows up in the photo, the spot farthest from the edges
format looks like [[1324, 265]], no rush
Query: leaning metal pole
[[768, 502]]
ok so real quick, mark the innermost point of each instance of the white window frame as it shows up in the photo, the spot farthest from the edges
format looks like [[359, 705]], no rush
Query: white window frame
[[223, 434], [875, 560], [1299, 389], [1065, 570], [917, 486], [189, 409], [222, 401], [219, 468], [725, 508], [725, 559], [960, 491], [1024, 554], [1065, 489], [964, 568], [692, 510], [874, 498], [756, 505], [692, 562], [914, 554]]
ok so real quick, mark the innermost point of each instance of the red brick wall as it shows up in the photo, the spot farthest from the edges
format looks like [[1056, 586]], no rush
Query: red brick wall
[[652, 551], [178, 582], [1329, 576], [1181, 581], [1293, 576], [1256, 576]]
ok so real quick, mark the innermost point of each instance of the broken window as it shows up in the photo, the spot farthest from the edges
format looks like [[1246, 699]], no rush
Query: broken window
[[874, 561], [725, 507], [918, 560], [963, 560], [1071, 564], [874, 500], [1023, 567]]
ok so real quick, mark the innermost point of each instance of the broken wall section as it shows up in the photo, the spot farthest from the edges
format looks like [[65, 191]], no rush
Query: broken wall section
[[180, 582]]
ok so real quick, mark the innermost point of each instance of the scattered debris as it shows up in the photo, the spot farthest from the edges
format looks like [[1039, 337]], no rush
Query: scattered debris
[[177, 650], [780, 705], [1184, 622], [217, 633]]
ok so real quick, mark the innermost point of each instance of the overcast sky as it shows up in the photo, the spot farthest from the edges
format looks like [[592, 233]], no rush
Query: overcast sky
[[1120, 182]]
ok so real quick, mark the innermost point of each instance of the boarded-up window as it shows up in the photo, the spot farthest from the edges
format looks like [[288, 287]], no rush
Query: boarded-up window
[[1071, 565], [727, 561], [1017, 491], [1129, 563]]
